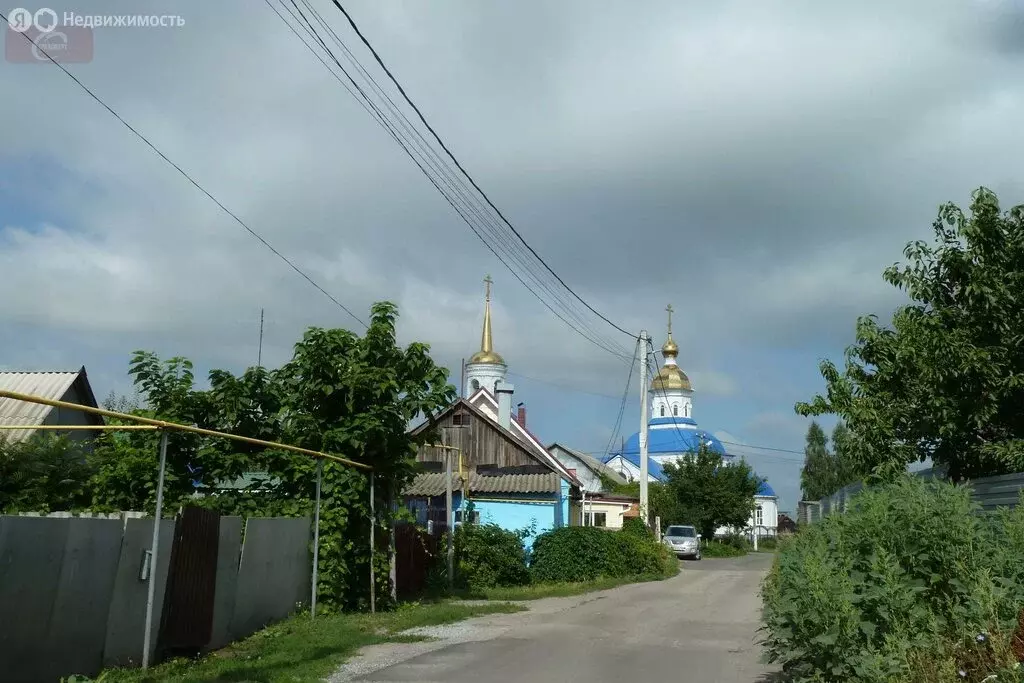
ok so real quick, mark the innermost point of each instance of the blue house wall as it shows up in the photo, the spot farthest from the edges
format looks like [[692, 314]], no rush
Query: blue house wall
[[514, 513]]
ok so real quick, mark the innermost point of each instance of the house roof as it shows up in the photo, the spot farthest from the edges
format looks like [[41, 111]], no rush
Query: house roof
[[591, 463], [433, 483], [484, 406], [486, 402], [51, 385], [653, 466]]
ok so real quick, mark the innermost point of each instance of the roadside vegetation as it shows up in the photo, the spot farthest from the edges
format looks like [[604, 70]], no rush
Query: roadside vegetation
[[492, 563], [302, 650], [914, 584], [911, 585]]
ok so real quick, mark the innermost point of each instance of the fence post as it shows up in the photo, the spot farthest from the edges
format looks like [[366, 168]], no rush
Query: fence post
[[373, 548], [147, 638], [316, 540], [392, 550]]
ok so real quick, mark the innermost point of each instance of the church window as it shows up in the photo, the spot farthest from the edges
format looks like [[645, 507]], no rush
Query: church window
[[663, 411], [675, 410], [759, 516], [475, 384]]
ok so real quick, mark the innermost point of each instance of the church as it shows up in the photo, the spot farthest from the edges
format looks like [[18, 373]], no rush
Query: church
[[673, 434]]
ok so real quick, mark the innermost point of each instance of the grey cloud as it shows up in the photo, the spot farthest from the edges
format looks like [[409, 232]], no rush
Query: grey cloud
[[756, 164]]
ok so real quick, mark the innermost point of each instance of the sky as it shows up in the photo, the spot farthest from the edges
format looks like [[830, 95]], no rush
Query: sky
[[755, 164]]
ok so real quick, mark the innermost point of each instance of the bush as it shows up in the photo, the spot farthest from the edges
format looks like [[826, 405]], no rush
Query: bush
[[720, 549], [487, 556], [911, 584], [575, 554], [767, 543]]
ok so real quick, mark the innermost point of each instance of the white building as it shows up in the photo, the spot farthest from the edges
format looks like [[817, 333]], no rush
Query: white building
[[673, 434]]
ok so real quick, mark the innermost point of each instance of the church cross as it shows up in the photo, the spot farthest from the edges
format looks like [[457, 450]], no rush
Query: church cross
[[488, 281], [669, 309]]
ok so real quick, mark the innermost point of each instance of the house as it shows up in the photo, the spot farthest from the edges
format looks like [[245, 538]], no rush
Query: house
[[71, 387], [499, 466], [589, 470], [596, 507]]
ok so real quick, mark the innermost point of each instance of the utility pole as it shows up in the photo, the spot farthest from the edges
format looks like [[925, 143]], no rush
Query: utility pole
[[644, 511], [259, 353], [451, 518]]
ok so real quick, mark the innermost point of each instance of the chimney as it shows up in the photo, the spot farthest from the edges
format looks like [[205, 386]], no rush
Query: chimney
[[521, 416], [504, 391]]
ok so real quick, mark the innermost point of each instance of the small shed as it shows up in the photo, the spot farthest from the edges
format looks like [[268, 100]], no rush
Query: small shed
[[69, 386]]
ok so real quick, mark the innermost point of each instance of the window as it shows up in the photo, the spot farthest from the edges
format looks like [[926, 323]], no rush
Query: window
[[476, 385], [681, 532], [473, 519], [758, 516], [663, 411], [675, 410], [460, 420], [595, 519]]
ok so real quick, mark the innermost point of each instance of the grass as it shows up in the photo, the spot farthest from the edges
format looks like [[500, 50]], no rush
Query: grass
[[537, 591], [300, 649]]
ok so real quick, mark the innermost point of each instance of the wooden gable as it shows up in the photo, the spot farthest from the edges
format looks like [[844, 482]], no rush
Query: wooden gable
[[485, 445]]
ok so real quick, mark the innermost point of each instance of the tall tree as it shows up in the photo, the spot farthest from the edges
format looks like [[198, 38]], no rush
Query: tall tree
[[340, 393], [711, 495], [945, 380], [818, 476], [845, 464]]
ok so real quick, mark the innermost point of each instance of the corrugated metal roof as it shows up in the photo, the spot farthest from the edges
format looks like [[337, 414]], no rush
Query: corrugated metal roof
[[52, 385], [433, 483]]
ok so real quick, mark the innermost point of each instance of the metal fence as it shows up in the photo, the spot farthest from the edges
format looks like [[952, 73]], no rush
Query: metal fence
[[990, 493], [73, 590]]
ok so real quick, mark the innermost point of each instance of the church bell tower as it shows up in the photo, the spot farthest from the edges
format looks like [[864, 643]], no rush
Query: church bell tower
[[486, 368]]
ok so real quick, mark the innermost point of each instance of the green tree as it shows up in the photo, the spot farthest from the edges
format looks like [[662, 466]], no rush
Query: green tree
[[46, 473], [340, 393], [817, 478], [846, 467], [945, 380], [711, 495]]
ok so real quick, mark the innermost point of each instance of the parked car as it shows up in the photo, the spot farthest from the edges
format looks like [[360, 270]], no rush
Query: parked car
[[683, 540]]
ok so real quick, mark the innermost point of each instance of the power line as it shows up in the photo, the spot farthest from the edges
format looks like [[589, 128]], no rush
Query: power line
[[449, 178], [430, 159], [563, 387], [622, 405], [470, 178], [194, 182]]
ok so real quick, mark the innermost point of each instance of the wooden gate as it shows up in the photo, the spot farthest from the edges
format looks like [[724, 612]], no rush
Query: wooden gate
[[187, 622], [415, 553]]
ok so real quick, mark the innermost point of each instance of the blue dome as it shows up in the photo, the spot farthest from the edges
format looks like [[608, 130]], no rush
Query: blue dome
[[766, 490], [682, 439]]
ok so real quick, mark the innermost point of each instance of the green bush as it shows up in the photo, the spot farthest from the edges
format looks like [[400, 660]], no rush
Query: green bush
[[720, 549], [574, 554], [487, 556], [911, 584], [767, 543]]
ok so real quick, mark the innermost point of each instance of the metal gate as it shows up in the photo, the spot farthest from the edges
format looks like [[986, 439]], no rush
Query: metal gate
[[187, 622]]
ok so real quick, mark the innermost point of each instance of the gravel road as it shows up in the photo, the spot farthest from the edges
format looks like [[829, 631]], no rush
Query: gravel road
[[699, 627]]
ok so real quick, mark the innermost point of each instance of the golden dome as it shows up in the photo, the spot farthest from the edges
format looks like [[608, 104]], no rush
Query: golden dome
[[670, 348], [487, 357], [671, 378], [487, 354]]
